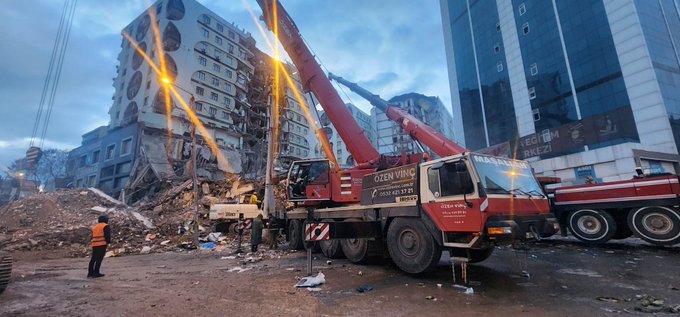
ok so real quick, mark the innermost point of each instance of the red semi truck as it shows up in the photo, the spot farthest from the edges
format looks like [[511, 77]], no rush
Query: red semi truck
[[409, 207], [645, 206]]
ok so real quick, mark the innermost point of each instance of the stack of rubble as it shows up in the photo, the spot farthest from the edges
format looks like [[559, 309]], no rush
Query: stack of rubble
[[62, 220]]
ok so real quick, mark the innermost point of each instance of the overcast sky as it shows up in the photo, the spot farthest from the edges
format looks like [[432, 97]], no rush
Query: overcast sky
[[388, 46]]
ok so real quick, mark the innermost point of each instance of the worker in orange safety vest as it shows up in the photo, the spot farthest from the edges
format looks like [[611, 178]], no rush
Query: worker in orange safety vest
[[101, 237]]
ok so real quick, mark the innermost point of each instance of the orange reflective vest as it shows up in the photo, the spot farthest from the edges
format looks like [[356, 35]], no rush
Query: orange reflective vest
[[98, 238]]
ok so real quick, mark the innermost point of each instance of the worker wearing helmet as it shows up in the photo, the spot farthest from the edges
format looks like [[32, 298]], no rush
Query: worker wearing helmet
[[101, 237]]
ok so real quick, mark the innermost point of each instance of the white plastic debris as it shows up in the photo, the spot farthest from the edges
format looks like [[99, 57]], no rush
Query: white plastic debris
[[165, 242], [239, 269], [145, 250], [469, 291], [311, 281], [229, 257], [214, 237]]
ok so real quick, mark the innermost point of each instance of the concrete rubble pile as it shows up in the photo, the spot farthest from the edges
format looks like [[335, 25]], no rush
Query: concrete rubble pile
[[62, 220]]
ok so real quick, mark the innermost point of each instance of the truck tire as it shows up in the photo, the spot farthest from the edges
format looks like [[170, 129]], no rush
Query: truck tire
[[656, 224], [331, 248], [592, 226], [5, 270], [295, 235], [475, 256], [358, 251], [411, 246]]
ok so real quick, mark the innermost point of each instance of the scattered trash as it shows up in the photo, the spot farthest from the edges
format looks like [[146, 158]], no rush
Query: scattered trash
[[196, 283], [609, 251], [583, 272], [311, 281], [207, 246], [239, 269], [361, 273], [109, 254], [314, 289], [329, 262], [229, 257], [608, 299], [214, 237], [564, 287], [166, 242], [430, 297], [145, 250], [364, 288], [150, 237], [469, 291], [526, 274], [439, 285], [161, 266], [288, 269]]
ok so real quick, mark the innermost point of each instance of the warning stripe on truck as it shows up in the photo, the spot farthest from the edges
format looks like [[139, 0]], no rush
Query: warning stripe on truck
[[317, 231]]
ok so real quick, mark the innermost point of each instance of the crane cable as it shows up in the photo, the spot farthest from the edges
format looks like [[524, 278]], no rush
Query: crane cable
[[53, 72]]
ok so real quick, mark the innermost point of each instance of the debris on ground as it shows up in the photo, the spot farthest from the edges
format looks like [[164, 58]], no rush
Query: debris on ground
[[364, 288], [311, 281]]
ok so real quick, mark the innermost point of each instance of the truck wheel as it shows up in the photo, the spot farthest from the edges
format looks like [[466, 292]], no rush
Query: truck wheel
[[295, 235], [5, 270], [411, 246], [331, 248], [657, 225], [476, 255], [593, 226], [358, 251]]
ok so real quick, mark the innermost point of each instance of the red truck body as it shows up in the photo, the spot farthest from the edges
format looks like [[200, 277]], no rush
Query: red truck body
[[643, 206]]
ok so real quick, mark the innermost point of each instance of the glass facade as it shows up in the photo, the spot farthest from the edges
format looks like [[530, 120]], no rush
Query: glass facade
[[600, 92], [661, 27], [496, 96]]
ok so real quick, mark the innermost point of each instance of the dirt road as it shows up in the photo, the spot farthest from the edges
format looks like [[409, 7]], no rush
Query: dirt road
[[566, 279]]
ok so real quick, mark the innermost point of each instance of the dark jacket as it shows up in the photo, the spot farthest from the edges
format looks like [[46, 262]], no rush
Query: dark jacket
[[256, 235]]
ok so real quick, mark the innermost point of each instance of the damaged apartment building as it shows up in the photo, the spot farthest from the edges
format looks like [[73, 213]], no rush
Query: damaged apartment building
[[148, 140]]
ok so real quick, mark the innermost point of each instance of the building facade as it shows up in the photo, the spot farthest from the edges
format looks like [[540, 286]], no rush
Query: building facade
[[209, 61], [578, 87], [339, 148], [391, 139]]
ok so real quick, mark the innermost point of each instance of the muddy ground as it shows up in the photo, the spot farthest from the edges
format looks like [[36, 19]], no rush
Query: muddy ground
[[566, 278]]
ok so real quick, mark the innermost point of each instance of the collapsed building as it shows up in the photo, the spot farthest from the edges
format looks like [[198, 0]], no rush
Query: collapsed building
[[214, 68]]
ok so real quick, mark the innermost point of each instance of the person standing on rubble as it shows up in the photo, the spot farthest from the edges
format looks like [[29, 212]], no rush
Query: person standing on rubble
[[101, 237], [256, 233]]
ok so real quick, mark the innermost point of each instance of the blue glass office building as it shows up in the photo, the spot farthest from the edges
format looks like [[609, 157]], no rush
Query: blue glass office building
[[578, 87]]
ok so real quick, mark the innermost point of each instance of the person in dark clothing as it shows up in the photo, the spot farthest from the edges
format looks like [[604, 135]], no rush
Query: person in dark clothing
[[256, 234], [101, 237]]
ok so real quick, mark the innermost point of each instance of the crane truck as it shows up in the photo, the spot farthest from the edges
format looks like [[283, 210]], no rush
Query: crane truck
[[645, 206], [408, 207]]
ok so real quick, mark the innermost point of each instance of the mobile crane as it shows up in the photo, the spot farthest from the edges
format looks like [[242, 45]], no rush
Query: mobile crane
[[411, 206]]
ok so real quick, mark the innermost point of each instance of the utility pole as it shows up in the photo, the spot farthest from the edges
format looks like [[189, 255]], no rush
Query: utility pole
[[194, 173], [268, 203]]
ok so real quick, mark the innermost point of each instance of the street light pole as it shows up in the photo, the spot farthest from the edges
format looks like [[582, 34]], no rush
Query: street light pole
[[194, 173]]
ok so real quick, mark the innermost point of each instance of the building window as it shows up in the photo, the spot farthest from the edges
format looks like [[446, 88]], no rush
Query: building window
[[231, 34], [83, 161], [95, 157], [226, 101], [228, 73], [525, 28], [220, 27], [217, 55], [125, 146], [218, 40], [202, 60], [206, 34], [213, 111], [213, 96], [225, 115], [159, 8], [199, 91], [537, 114], [216, 68], [497, 48], [146, 100], [202, 47], [201, 75], [215, 82], [227, 87], [230, 48], [522, 9], [241, 79], [499, 66], [206, 19], [534, 69], [498, 26], [532, 93], [198, 106], [91, 180], [148, 84], [110, 151]]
